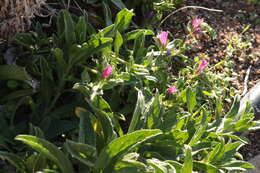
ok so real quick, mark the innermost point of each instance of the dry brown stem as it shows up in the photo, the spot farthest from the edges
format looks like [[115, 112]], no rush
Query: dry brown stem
[[16, 15]]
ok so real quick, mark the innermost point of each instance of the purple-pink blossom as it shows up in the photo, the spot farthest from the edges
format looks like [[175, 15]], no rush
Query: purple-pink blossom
[[203, 64], [163, 38], [107, 71], [171, 90], [197, 22]]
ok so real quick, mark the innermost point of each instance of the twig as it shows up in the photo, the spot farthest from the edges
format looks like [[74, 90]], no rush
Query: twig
[[194, 7], [246, 80], [78, 6], [68, 6]]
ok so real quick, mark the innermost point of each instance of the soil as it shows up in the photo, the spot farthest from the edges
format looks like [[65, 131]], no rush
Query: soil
[[238, 21]]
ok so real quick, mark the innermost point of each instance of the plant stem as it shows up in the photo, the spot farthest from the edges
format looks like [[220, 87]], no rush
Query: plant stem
[[194, 7]]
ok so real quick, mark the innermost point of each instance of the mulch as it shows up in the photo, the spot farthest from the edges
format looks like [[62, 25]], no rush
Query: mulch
[[239, 20]]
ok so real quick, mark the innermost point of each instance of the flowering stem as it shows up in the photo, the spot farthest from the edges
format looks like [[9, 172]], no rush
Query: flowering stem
[[194, 7]]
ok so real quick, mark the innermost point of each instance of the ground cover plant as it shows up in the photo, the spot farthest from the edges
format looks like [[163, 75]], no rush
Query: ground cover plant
[[117, 99]]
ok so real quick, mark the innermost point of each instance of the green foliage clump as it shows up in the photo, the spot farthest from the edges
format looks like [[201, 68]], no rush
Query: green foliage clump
[[107, 102]]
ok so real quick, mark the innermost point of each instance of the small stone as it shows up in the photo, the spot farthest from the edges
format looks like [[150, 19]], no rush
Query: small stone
[[253, 96]]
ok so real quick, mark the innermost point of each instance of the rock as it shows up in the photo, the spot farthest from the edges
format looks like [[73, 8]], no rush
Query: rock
[[253, 97], [256, 162]]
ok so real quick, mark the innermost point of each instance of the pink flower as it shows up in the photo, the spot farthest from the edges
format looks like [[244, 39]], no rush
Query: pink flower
[[163, 37], [171, 90], [197, 22], [203, 64], [107, 72]]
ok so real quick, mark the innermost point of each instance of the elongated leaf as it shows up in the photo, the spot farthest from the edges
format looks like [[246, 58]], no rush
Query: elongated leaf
[[13, 72], [82, 152], [140, 104], [86, 131], [200, 131], [61, 63], [191, 99], [161, 167], [107, 13], [69, 29], [118, 42], [238, 165], [25, 39], [48, 150], [206, 167], [119, 4], [139, 47], [176, 165], [81, 30], [120, 146], [216, 153], [104, 118], [14, 160], [135, 33], [188, 163], [154, 113], [123, 19], [36, 163], [17, 94], [234, 109]]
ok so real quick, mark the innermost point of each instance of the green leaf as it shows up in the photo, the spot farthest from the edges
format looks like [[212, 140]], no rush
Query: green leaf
[[140, 104], [216, 153], [206, 167], [14, 160], [191, 99], [135, 33], [119, 4], [108, 31], [218, 109], [120, 146], [25, 39], [161, 167], [47, 82], [154, 113], [79, 54], [48, 150], [200, 131], [237, 165], [139, 47], [82, 152], [69, 29], [234, 109], [97, 107], [86, 131], [36, 162], [13, 72], [17, 94], [123, 19], [81, 30], [176, 165], [107, 13], [118, 42], [61, 63], [188, 163]]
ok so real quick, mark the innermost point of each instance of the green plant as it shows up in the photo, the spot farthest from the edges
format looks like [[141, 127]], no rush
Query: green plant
[[139, 108], [186, 142]]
